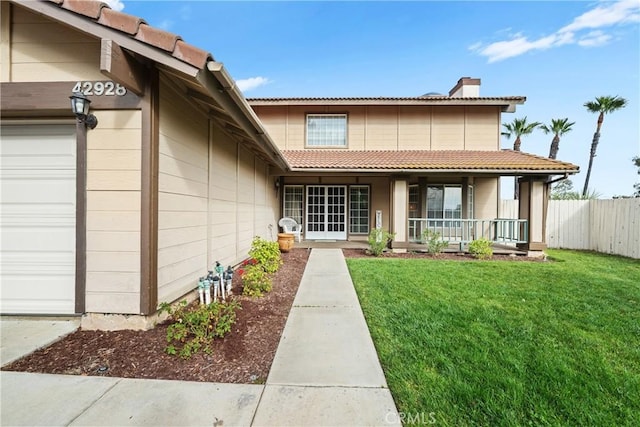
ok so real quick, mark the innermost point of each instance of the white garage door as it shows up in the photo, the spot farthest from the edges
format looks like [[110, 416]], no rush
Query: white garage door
[[37, 219]]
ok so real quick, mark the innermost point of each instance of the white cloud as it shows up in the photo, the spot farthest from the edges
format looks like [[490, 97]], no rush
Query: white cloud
[[251, 83], [606, 14], [594, 39], [115, 4]]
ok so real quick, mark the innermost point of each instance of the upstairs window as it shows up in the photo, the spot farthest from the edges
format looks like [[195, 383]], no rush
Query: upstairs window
[[326, 130]]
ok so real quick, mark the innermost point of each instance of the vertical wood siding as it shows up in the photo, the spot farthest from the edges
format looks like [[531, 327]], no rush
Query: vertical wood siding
[[392, 127], [607, 226]]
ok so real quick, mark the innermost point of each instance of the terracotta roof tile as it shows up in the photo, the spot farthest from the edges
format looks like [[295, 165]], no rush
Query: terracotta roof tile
[[156, 37], [138, 29], [120, 21], [387, 98], [504, 160], [90, 9], [191, 54]]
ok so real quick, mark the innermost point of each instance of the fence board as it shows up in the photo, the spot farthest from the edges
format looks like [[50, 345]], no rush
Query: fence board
[[607, 226]]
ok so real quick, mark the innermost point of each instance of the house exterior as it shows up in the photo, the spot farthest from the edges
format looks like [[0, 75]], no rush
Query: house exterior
[[182, 171], [405, 165], [177, 174]]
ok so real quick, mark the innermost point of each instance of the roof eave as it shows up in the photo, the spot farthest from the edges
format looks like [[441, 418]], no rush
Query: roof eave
[[503, 172]]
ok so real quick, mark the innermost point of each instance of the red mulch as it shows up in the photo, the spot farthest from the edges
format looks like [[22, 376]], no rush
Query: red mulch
[[243, 356]]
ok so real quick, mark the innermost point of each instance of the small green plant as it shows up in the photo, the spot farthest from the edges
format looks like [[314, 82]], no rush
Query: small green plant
[[255, 281], [379, 240], [481, 248], [435, 245], [266, 254], [195, 327]]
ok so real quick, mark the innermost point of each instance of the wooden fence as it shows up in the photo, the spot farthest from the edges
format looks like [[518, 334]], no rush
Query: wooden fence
[[607, 226]]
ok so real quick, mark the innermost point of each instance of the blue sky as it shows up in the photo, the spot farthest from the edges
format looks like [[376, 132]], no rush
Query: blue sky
[[559, 54]]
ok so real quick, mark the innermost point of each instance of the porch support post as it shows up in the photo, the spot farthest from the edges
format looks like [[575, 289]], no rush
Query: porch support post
[[400, 206], [465, 198], [533, 204]]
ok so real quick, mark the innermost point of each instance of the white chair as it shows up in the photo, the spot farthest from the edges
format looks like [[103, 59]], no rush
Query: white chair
[[289, 225]]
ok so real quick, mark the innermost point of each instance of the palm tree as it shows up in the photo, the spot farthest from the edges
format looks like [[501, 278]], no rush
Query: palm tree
[[602, 105], [518, 128], [558, 128]]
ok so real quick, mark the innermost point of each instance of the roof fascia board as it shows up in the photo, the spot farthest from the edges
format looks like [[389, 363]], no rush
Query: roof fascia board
[[85, 25], [370, 101], [502, 172], [240, 110]]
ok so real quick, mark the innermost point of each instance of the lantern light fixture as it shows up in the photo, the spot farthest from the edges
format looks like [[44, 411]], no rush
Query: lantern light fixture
[[80, 107]]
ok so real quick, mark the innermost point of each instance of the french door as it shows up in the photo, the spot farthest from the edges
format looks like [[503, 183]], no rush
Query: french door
[[326, 213]]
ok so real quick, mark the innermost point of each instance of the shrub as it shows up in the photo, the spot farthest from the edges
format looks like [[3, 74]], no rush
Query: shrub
[[266, 254], [255, 281], [379, 240], [195, 327], [481, 248], [435, 245]]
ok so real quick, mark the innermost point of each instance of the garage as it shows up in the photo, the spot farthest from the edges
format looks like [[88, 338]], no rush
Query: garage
[[38, 219]]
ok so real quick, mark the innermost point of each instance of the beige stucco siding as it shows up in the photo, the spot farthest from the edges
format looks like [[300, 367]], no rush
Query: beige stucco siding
[[447, 129], [482, 128], [113, 213], [43, 50], [386, 127], [182, 200], [414, 128], [485, 196], [382, 128]]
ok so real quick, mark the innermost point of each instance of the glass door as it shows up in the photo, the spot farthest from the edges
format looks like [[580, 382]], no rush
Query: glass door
[[326, 217]]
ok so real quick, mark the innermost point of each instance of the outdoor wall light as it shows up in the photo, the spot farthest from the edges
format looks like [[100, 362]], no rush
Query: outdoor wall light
[[80, 107]]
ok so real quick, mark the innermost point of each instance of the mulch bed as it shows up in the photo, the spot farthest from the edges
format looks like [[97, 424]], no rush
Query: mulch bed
[[244, 356]]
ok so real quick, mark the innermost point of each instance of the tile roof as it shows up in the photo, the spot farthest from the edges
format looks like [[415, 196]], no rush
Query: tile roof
[[503, 161], [138, 29], [388, 98]]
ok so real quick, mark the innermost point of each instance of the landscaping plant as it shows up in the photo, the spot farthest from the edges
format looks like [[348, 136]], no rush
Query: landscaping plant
[[255, 281], [266, 254], [379, 240], [195, 327], [481, 248], [256, 273], [435, 245]]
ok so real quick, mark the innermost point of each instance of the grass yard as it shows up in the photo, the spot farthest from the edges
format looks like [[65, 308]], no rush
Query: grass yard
[[507, 343]]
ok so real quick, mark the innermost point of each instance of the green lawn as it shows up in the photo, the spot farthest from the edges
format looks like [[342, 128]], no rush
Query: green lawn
[[507, 343]]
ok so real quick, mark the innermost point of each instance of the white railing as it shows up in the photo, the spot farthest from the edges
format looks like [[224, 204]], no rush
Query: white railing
[[463, 231]]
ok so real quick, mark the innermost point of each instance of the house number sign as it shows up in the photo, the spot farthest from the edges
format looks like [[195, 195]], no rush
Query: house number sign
[[107, 88]]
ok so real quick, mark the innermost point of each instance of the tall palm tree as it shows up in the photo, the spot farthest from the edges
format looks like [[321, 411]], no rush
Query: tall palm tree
[[518, 128], [602, 105], [558, 128]]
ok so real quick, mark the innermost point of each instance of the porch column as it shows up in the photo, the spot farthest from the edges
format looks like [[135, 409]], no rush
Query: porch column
[[465, 198], [399, 205], [533, 204]]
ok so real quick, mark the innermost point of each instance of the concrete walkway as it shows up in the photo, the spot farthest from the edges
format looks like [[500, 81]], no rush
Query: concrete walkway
[[325, 373]]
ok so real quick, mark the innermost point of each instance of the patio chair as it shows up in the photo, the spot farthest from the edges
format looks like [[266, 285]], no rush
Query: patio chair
[[289, 225]]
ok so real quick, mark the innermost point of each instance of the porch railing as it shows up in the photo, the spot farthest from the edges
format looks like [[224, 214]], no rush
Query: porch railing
[[463, 231]]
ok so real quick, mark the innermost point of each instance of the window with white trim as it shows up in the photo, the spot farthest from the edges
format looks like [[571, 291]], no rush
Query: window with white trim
[[326, 130], [445, 201], [359, 209], [293, 202]]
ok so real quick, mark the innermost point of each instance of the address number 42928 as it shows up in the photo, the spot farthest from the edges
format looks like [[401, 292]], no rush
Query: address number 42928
[[100, 88]]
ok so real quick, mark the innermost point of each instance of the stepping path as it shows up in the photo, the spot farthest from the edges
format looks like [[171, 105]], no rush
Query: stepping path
[[326, 370]]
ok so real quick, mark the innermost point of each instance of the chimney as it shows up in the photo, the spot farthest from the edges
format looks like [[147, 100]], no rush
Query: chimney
[[466, 88]]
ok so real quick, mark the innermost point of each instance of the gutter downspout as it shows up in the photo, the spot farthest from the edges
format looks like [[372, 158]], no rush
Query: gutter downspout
[[229, 86]]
